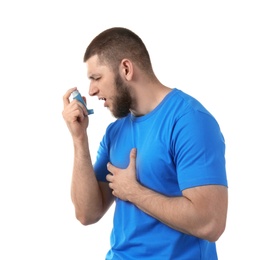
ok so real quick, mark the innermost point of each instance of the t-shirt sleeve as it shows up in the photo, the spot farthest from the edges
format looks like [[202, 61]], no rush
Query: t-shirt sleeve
[[199, 151]]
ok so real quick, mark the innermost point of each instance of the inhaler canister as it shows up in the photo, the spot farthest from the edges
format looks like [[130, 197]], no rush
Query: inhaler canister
[[77, 95]]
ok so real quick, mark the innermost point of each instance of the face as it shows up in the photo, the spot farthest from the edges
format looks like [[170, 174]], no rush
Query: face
[[109, 87]]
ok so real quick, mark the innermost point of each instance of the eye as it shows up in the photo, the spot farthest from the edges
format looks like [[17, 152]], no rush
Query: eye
[[94, 78]]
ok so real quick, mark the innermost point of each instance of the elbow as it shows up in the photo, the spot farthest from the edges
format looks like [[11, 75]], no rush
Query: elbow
[[213, 227], [86, 219], [214, 235], [87, 215], [213, 231]]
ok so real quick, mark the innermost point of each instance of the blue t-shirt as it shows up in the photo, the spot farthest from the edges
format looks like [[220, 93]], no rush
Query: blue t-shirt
[[179, 146]]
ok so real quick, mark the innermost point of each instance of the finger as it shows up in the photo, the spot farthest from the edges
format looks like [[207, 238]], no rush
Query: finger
[[66, 100], [80, 106], [110, 185], [109, 166], [109, 177], [80, 116], [132, 156]]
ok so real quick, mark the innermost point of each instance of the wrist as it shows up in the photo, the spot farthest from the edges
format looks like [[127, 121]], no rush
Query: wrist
[[80, 139]]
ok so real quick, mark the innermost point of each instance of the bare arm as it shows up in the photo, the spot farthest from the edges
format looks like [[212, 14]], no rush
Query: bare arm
[[200, 211], [90, 198]]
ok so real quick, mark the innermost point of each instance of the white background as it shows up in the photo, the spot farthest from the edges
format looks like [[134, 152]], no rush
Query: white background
[[209, 49]]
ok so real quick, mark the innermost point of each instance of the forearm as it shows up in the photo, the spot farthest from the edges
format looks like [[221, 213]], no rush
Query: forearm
[[85, 191], [199, 218], [169, 210]]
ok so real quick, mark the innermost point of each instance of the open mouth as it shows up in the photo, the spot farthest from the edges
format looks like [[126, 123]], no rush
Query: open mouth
[[103, 99]]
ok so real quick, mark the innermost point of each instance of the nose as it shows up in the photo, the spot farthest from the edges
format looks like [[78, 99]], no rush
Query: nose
[[93, 90]]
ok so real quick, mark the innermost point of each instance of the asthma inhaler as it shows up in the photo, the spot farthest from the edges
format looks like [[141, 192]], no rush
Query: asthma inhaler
[[77, 95]]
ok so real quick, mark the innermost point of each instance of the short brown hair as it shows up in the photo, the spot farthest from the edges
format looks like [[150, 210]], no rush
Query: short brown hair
[[117, 43]]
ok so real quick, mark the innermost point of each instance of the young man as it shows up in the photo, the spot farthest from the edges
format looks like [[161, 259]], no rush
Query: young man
[[162, 161]]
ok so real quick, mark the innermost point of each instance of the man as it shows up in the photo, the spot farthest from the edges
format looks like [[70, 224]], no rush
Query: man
[[162, 161]]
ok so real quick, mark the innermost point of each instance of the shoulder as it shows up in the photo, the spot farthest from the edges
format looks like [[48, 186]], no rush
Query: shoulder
[[186, 103], [179, 106]]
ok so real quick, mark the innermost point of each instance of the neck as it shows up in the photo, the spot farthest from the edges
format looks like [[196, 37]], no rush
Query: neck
[[147, 97]]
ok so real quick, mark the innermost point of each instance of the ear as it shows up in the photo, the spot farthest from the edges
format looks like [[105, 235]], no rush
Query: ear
[[127, 69]]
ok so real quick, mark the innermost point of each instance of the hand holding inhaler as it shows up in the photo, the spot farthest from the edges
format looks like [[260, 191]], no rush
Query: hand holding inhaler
[[77, 95]]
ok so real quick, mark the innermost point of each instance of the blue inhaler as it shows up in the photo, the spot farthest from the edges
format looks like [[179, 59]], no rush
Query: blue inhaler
[[76, 95]]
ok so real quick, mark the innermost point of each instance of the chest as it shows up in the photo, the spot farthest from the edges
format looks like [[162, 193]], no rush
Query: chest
[[155, 166]]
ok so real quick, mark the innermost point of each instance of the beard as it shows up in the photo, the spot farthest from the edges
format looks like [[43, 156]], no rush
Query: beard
[[122, 102]]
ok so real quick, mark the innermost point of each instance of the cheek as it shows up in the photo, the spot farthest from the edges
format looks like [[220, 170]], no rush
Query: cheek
[[107, 84]]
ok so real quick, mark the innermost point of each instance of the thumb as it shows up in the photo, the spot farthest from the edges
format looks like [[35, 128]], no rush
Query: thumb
[[132, 156]]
